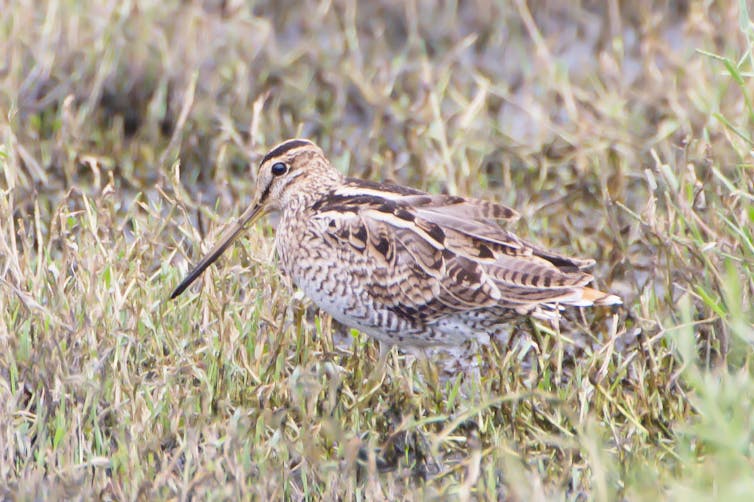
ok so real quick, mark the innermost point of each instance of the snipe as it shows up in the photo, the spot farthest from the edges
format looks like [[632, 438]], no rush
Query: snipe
[[401, 265]]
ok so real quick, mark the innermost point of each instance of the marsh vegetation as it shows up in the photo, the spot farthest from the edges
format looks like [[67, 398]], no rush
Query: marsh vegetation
[[129, 133]]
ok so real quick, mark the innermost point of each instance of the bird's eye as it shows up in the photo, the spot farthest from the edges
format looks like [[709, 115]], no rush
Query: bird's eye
[[279, 168]]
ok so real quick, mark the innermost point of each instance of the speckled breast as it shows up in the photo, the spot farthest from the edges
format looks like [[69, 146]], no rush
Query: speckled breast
[[324, 271]]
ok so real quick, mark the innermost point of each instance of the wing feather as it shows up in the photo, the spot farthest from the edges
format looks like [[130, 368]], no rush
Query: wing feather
[[429, 256]]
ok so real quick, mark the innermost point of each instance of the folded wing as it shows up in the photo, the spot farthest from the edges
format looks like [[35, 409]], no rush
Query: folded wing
[[430, 256]]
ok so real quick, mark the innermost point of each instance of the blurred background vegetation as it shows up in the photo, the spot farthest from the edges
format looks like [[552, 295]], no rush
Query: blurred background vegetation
[[129, 131]]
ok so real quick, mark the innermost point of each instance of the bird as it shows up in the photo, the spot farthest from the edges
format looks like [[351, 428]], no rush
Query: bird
[[406, 267]]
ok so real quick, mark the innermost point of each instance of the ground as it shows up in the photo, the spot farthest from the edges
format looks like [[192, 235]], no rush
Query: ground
[[129, 134]]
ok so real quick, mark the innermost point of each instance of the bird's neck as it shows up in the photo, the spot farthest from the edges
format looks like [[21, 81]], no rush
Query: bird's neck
[[304, 195]]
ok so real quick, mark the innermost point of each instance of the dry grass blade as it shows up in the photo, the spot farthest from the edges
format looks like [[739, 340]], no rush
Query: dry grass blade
[[620, 131]]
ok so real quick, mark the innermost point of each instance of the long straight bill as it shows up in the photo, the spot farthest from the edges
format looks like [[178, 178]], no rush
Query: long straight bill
[[226, 239]]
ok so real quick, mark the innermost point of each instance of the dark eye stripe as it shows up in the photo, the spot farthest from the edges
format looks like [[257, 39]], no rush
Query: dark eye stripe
[[281, 149]]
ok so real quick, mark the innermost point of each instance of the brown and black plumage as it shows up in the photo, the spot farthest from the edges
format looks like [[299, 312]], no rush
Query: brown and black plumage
[[401, 265]]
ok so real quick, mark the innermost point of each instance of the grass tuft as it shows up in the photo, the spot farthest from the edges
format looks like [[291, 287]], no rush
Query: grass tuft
[[127, 131]]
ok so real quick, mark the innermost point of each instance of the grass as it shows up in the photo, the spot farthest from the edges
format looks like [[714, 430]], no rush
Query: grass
[[620, 132]]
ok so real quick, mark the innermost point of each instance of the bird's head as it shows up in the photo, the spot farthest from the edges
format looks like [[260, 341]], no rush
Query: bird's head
[[294, 171]]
